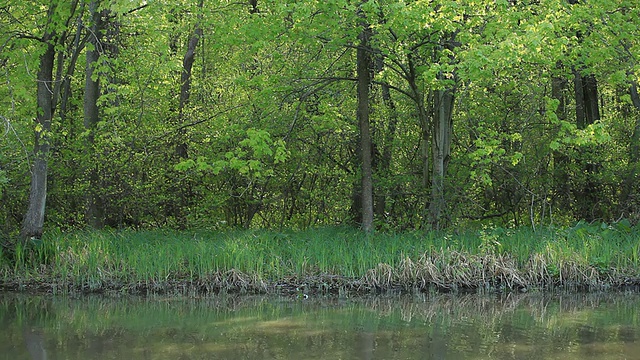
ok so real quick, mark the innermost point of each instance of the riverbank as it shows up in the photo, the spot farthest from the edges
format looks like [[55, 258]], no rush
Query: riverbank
[[326, 261]]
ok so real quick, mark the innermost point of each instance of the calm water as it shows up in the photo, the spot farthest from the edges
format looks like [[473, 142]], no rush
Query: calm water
[[535, 326]]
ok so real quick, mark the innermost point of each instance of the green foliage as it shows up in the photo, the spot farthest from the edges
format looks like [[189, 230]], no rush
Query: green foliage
[[269, 129], [250, 159]]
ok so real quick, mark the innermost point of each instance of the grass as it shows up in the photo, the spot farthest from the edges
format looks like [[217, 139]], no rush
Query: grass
[[328, 260]]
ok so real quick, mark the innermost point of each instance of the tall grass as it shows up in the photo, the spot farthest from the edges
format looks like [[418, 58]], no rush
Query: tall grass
[[259, 260]]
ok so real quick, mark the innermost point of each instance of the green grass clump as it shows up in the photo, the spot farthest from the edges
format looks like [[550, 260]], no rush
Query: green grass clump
[[586, 255]]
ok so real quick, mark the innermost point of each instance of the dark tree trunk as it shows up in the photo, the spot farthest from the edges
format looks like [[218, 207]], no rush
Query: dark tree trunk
[[586, 96], [384, 163], [441, 152], [442, 130], [587, 112], [559, 88], [95, 209], [423, 119], [185, 82], [179, 186], [254, 6], [92, 83], [364, 68], [591, 99], [33, 222], [64, 82], [628, 183], [562, 184]]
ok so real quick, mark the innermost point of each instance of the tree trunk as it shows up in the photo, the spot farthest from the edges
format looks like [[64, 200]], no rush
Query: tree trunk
[[442, 129], [586, 95], [559, 87], [441, 152], [185, 82], [381, 160], [578, 88], [423, 120], [33, 222], [183, 188], [384, 163], [254, 7], [95, 209], [562, 184], [591, 104], [587, 112], [364, 67], [634, 157], [64, 82]]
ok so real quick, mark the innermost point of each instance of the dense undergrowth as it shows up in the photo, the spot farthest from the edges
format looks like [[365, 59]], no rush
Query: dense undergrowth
[[326, 260]]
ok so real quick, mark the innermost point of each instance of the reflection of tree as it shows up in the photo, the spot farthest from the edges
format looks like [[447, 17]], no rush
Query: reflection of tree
[[365, 341], [34, 340], [434, 326]]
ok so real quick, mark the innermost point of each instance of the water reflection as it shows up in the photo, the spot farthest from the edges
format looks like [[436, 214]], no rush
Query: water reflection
[[525, 326], [34, 339]]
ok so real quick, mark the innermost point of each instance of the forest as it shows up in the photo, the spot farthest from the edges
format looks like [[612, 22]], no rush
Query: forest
[[388, 115]]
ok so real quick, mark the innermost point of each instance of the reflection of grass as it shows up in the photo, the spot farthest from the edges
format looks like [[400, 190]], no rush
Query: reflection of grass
[[275, 314], [327, 260], [213, 325], [244, 327]]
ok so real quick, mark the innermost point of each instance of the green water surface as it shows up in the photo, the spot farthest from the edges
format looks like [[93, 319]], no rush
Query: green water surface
[[516, 326]]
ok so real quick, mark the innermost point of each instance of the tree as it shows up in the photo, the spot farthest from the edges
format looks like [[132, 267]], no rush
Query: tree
[[33, 223], [364, 69], [442, 132], [627, 207], [95, 216], [185, 77], [245, 113], [425, 60]]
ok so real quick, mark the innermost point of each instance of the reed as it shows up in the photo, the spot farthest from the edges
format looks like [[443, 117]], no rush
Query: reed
[[333, 260]]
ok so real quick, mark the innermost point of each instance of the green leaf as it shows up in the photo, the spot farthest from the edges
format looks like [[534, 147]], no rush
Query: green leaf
[[185, 165]]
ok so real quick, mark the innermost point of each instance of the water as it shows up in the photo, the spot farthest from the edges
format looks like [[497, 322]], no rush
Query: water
[[526, 326]]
